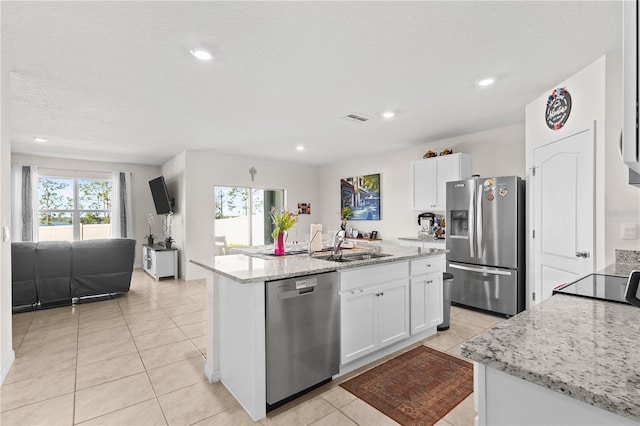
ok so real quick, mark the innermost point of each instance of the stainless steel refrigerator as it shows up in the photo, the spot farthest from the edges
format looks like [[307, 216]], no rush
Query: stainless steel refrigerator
[[485, 239]]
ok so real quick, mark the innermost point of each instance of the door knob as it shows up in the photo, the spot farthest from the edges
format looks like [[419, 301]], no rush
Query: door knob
[[584, 254]]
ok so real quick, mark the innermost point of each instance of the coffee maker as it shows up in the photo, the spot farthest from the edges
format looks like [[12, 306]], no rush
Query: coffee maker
[[426, 221]]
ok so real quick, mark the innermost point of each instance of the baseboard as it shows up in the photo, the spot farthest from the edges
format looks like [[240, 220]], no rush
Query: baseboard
[[212, 376], [375, 356], [7, 366]]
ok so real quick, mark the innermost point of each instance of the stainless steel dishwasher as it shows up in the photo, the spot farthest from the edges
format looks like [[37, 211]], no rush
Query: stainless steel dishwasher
[[302, 335]]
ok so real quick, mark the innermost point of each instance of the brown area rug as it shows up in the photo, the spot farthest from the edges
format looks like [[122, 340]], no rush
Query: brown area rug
[[418, 387]]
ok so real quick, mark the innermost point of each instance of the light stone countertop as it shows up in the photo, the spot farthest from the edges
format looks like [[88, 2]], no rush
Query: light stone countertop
[[584, 348], [248, 269], [424, 239], [620, 269]]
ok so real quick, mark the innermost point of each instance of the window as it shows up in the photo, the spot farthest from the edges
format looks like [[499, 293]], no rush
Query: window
[[73, 208], [243, 214]]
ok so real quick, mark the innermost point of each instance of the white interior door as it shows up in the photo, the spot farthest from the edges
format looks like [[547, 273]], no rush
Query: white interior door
[[563, 210]]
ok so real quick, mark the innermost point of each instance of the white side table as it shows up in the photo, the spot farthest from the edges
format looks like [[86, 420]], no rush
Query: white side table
[[159, 261]]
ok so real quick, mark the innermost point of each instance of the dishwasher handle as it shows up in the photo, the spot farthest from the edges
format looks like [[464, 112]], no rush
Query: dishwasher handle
[[296, 293]]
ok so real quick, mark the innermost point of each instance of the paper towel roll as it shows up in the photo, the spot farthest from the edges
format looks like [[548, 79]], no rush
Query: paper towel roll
[[315, 237]]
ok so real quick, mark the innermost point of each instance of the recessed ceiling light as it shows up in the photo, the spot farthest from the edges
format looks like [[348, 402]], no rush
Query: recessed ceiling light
[[40, 139], [202, 54], [388, 114], [299, 148], [486, 81]]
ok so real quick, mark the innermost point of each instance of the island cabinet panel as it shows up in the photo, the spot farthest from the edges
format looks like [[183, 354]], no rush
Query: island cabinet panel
[[502, 399], [426, 293], [374, 314]]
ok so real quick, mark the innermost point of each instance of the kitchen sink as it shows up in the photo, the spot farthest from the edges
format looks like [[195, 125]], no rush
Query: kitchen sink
[[352, 257]]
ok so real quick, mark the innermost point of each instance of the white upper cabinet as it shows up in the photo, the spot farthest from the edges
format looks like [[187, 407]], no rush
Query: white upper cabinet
[[430, 177]]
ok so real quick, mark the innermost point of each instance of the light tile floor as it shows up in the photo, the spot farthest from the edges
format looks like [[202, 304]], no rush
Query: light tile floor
[[138, 360]]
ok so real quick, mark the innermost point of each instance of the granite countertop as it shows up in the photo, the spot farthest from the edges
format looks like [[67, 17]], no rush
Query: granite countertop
[[584, 348], [626, 261], [620, 269], [424, 239], [249, 269]]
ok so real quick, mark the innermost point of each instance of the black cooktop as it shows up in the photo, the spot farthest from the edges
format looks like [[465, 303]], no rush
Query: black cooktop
[[596, 286]]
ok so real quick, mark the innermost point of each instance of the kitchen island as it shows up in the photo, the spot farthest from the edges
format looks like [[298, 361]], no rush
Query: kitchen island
[[236, 310], [569, 360]]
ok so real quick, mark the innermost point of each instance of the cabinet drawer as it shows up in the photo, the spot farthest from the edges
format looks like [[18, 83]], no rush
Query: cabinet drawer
[[373, 275], [427, 265]]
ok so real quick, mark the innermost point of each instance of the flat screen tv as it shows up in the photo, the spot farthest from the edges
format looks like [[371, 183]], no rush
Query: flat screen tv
[[160, 196]]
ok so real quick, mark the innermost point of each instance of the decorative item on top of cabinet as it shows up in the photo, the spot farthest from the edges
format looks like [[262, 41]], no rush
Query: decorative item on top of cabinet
[[430, 177]]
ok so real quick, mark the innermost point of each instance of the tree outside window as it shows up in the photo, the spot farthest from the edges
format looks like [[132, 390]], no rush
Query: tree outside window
[[74, 208]]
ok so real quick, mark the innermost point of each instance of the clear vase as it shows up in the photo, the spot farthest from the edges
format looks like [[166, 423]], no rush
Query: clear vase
[[278, 244]]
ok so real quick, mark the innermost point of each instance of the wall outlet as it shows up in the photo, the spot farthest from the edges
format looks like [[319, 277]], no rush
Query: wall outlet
[[628, 231], [6, 234]]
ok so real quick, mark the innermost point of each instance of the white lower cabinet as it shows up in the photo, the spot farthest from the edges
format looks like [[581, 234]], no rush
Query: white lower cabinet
[[426, 302], [426, 293], [393, 312], [386, 304], [376, 315], [373, 318]]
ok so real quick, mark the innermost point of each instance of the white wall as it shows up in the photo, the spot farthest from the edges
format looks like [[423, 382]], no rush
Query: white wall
[[596, 93], [142, 202], [174, 176], [587, 91], [6, 344], [495, 152], [622, 201], [194, 174]]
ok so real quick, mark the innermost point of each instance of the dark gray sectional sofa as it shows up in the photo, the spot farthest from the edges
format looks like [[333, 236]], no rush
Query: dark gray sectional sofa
[[54, 273]]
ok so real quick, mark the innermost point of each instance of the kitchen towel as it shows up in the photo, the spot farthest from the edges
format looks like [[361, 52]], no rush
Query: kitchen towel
[[315, 237]]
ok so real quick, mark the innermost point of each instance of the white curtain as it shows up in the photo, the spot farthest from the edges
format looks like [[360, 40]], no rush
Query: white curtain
[[121, 217], [24, 214]]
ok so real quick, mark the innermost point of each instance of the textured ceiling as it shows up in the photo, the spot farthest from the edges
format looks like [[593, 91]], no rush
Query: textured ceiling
[[114, 81]]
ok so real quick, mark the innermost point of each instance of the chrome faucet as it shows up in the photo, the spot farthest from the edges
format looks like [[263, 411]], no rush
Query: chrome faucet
[[337, 243]]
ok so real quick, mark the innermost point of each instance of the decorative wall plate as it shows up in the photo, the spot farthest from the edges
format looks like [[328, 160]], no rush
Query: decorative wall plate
[[558, 108]]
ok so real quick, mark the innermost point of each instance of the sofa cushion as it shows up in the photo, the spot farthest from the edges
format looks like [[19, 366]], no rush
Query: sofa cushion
[[53, 272], [101, 266], [23, 274]]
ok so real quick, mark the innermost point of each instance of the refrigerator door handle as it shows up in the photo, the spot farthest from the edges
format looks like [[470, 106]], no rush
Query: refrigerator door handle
[[479, 225], [480, 270], [472, 226]]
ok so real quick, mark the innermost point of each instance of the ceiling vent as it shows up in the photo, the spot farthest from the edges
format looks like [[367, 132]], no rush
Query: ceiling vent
[[359, 118]]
